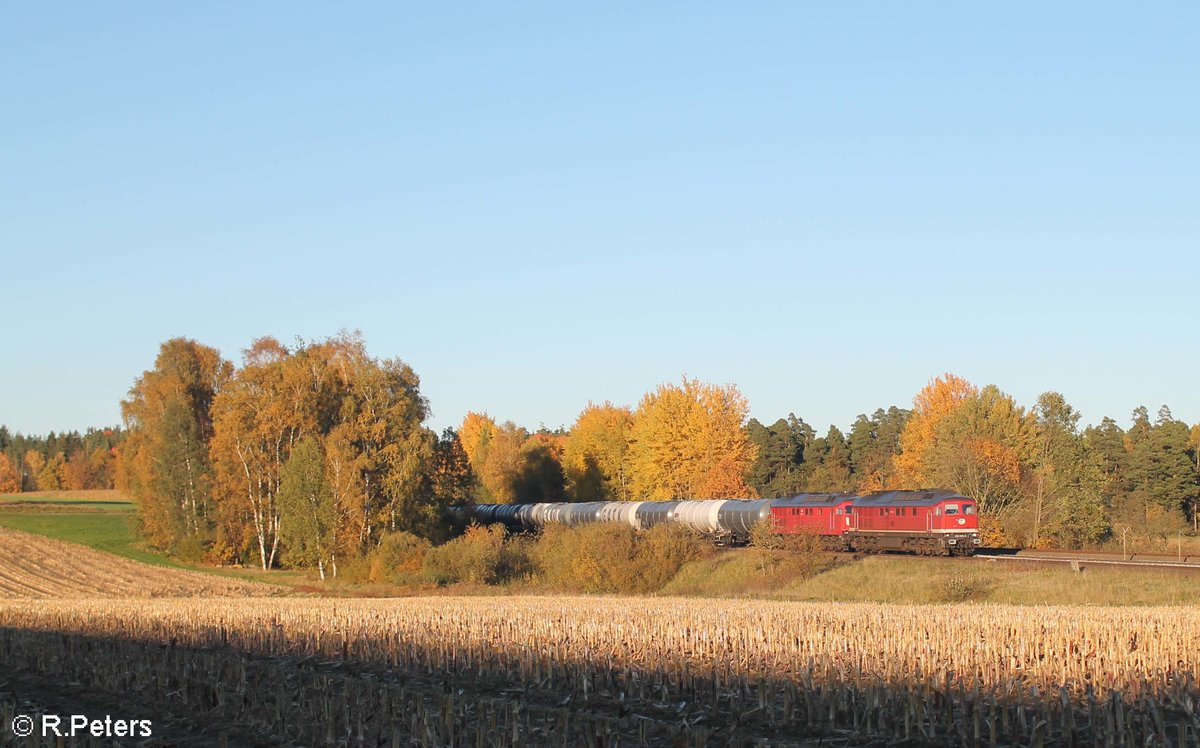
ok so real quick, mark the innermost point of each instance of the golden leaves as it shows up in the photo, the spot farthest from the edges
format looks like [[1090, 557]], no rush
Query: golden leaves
[[595, 454], [931, 405], [689, 441]]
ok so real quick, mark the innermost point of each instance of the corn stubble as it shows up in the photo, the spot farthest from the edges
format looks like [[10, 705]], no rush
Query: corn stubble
[[618, 671]]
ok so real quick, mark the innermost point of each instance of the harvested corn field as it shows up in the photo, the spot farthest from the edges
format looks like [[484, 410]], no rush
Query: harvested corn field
[[612, 671], [34, 566]]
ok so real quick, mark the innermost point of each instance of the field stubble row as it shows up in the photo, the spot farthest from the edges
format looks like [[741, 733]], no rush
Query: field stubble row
[[502, 671]]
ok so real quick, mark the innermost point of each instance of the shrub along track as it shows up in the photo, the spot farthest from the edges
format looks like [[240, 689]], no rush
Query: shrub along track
[[34, 566]]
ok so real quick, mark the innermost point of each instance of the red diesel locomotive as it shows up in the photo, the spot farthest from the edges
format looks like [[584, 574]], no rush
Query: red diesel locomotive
[[923, 522]]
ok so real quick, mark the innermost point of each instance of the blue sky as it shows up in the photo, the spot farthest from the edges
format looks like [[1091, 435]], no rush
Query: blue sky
[[538, 205]]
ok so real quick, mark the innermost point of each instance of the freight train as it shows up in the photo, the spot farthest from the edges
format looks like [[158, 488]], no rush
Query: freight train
[[933, 522]]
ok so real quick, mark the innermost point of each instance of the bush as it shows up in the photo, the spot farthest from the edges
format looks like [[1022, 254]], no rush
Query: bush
[[398, 559], [190, 550], [664, 550], [609, 557], [480, 556], [803, 555], [960, 588]]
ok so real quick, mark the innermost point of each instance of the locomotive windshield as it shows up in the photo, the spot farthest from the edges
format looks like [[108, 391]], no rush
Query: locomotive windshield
[[968, 508], [952, 509]]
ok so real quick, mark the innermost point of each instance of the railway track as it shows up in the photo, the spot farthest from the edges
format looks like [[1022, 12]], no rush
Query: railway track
[[1091, 558]]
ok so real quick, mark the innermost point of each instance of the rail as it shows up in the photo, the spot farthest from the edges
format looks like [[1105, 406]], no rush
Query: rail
[[1151, 560]]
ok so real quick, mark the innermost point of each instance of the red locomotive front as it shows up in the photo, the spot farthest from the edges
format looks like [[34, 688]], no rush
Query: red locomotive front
[[925, 522]]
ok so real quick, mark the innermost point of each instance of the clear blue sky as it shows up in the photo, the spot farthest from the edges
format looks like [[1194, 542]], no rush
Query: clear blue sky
[[537, 205]]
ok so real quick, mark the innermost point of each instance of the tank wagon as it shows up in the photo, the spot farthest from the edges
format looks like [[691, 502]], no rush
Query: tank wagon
[[930, 522]]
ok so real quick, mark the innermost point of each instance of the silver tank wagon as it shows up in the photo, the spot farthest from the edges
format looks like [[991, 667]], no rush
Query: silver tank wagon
[[727, 520]]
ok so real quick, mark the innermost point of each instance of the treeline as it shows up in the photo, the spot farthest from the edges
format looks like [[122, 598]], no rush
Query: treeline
[[55, 462], [317, 456], [1041, 480]]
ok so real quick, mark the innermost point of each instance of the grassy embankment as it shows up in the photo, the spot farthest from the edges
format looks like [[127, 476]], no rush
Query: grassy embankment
[[916, 580]]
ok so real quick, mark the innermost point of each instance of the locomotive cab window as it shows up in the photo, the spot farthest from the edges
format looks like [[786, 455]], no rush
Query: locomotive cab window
[[968, 508], [952, 509]]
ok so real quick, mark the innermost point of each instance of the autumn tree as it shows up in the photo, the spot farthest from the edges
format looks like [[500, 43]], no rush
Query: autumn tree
[[367, 414], [168, 417], [504, 462], [33, 462], [931, 406], [385, 412], [977, 442], [101, 466], [979, 449], [10, 478], [476, 433], [50, 477], [689, 441], [595, 457], [254, 429]]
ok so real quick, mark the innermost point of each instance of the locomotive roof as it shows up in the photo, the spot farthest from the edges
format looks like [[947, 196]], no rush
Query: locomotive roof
[[814, 499], [909, 498]]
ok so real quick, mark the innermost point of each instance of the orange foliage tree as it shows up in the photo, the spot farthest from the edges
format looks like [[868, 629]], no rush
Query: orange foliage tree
[[10, 479], [165, 457], [970, 440], [931, 405], [365, 417]]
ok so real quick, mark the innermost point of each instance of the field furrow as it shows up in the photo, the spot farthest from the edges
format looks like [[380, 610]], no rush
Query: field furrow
[[33, 566]]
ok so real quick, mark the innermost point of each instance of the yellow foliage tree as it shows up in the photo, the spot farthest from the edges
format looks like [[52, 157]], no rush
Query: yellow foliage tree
[[689, 441], [595, 455], [50, 477], [34, 461], [503, 462], [476, 434]]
